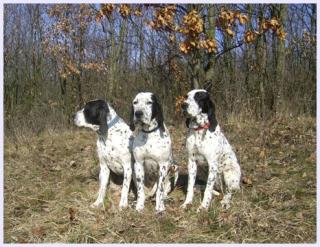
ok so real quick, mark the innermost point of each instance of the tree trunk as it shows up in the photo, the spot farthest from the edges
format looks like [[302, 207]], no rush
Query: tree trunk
[[211, 33], [261, 62], [280, 61]]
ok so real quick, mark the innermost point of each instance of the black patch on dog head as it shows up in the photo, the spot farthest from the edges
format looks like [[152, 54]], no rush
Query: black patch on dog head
[[132, 126], [188, 122], [203, 100], [157, 112], [96, 112]]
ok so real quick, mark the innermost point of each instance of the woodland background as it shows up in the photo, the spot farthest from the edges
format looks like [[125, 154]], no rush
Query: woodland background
[[258, 61]]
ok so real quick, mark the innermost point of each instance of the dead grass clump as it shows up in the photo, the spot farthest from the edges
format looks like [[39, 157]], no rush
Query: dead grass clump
[[51, 179]]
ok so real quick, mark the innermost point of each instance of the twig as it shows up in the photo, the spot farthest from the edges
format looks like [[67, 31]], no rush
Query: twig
[[229, 49], [37, 199]]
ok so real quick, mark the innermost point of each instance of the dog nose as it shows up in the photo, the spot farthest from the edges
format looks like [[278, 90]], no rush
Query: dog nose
[[184, 106], [73, 116], [138, 114]]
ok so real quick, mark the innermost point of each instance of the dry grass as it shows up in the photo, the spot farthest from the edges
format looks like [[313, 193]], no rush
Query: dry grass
[[51, 179]]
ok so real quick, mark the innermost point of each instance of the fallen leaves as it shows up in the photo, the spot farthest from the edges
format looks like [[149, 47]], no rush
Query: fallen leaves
[[247, 180], [72, 163], [312, 157], [39, 231], [72, 214], [262, 154]]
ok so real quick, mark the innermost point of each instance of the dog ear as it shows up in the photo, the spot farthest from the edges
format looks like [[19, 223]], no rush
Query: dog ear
[[157, 112], [188, 122], [132, 126], [102, 118], [211, 116], [208, 107]]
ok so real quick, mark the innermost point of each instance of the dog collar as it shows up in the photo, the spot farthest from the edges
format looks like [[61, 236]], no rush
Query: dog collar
[[150, 131], [206, 126], [113, 121]]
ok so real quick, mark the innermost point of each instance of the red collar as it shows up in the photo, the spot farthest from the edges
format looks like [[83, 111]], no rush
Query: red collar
[[206, 126]]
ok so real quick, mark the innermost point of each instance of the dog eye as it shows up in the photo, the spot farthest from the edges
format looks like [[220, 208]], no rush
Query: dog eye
[[135, 102], [149, 102]]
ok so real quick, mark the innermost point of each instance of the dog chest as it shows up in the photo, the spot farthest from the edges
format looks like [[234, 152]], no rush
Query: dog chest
[[147, 147], [114, 154]]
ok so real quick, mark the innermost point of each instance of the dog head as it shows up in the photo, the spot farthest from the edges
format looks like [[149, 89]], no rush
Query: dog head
[[93, 116], [145, 110], [199, 107]]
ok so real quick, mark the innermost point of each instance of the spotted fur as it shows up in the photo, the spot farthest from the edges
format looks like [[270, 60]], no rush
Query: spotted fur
[[152, 148], [208, 146], [114, 146]]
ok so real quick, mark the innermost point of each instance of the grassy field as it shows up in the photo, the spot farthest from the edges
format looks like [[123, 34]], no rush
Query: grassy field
[[51, 179]]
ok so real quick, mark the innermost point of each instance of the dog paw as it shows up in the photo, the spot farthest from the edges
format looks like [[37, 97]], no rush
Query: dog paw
[[225, 202], [160, 213], [122, 207], [160, 208], [183, 206], [139, 208], [96, 205], [225, 205], [186, 206], [123, 204]]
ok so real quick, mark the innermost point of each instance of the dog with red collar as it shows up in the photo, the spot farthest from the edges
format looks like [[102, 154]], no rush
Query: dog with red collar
[[207, 145]]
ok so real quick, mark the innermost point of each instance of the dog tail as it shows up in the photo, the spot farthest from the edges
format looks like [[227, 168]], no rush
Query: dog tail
[[173, 174]]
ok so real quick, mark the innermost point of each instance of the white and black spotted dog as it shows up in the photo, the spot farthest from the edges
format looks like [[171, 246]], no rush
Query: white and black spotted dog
[[206, 144], [113, 145], [152, 149]]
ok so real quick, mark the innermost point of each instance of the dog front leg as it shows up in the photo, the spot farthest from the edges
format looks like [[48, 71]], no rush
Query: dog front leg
[[139, 174], [103, 180], [212, 170], [164, 167], [127, 176], [192, 170]]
